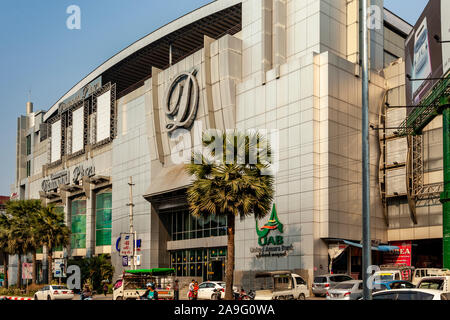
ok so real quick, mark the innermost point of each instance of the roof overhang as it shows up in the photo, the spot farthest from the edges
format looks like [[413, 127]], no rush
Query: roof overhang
[[193, 23]]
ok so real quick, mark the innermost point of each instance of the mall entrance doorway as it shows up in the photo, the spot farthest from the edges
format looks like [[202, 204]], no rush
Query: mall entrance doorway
[[216, 272]]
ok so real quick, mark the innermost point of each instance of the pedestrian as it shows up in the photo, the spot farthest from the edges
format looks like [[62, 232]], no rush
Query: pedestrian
[[195, 291], [105, 288], [191, 290], [176, 291]]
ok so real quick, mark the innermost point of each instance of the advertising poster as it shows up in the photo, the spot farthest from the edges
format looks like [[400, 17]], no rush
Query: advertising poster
[[27, 271], [425, 56], [401, 256], [127, 244]]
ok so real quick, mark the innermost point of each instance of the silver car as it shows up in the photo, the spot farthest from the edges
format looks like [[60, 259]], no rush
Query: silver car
[[347, 290], [323, 283]]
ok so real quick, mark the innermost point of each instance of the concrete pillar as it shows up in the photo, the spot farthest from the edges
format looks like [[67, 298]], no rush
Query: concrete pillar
[[90, 224]]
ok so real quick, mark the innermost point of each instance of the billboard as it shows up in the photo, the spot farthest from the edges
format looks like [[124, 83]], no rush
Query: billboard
[[425, 57]]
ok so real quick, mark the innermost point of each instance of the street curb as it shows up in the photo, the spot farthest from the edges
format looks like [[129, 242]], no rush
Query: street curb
[[16, 298]]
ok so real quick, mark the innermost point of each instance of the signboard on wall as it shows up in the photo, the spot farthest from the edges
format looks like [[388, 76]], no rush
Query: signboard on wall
[[426, 57], [270, 238], [400, 256]]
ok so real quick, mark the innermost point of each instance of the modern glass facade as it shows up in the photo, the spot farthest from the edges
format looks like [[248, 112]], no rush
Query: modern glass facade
[[103, 212], [206, 263], [78, 238], [182, 225]]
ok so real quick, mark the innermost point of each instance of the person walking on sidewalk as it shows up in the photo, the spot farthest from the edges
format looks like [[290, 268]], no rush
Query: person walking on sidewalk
[[105, 288], [176, 291]]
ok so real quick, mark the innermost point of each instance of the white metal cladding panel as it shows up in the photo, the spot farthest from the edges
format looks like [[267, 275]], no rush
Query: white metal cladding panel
[[103, 116], [56, 141], [396, 181], [396, 151], [77, 131]]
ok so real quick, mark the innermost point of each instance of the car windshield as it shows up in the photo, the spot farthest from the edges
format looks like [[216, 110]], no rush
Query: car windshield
[[436, 284], [320, 279], [345, 286], [384, 277], [340, 278], [222, 284]]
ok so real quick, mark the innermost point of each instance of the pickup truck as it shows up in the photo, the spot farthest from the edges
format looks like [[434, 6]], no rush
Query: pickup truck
[[280, 285]]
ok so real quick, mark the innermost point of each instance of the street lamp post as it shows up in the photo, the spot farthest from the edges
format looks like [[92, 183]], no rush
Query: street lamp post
[[366, 243]]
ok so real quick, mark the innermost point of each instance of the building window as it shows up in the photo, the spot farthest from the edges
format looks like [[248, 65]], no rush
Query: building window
[[182, 225], [206, 263], [78, 212], [28, 145], [103, 212], [28, 168]]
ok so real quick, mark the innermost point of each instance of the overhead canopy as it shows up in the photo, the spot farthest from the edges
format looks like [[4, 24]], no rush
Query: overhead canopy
[[154, 271], [382, 248], [168, 180]]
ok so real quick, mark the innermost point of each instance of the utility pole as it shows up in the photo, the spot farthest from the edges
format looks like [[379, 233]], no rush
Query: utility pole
[[366, 243], [131, 205]]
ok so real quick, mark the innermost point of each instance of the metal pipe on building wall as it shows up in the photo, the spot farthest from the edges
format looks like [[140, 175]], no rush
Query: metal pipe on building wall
[[366, 242]]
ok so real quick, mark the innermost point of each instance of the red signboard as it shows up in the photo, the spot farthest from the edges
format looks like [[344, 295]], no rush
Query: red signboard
[[400, 256]]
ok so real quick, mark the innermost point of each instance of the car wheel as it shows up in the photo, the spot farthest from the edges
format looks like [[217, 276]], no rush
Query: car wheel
[[301, 297], [36, 297], [119, 298], [49, 298]]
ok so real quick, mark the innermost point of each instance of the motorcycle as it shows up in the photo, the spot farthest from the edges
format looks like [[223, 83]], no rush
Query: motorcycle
[[242, 295], [216, 295], [83, 297]]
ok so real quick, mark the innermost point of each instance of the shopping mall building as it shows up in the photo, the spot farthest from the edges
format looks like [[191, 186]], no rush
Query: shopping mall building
[[287, 66]]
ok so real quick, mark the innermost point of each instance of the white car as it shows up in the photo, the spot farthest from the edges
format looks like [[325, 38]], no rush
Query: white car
[[409, 294], [206, 289], [54, 292]]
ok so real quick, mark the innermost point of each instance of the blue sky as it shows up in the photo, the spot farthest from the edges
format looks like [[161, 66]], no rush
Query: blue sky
[[38, 52]]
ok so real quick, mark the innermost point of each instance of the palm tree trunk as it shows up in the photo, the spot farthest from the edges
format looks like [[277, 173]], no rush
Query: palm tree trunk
[[50, 264], [229, 272], [19, 270], [33, 277], [5, 269]]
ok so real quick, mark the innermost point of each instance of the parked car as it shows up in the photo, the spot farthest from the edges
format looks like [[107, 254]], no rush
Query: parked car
[[53, 293], [206, 289], [409, 294], [325, 282], [280, 285], [395, 284], [440, 283], [347, 290]]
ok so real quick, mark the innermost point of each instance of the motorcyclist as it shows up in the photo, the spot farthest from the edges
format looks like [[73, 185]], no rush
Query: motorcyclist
[[150, 293], [87, 293]]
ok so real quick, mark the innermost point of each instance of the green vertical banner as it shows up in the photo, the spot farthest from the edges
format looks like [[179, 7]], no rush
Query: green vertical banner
[[103, 213], [445, 196], [78, 212]]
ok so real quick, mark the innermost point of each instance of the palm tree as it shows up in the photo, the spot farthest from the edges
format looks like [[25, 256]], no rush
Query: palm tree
[[53, 233], [34, 242], [4, 227], [20, 215], [236, 188]]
